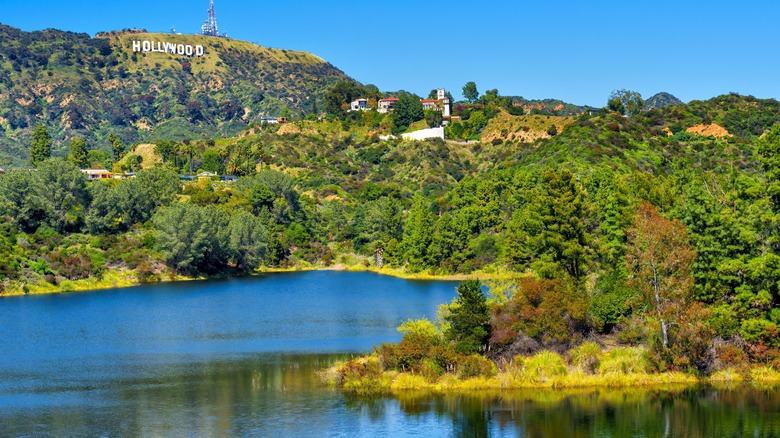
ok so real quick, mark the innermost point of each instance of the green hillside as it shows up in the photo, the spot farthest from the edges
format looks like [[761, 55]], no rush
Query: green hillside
[[82, 86], [572, 221]]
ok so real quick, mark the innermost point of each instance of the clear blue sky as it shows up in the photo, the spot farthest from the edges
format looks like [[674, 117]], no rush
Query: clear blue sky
[[573, 50]]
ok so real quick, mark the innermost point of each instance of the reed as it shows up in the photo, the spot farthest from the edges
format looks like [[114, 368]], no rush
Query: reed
[[586, 357], [625, 360], [765, 376], [544, 366], [727, 376]]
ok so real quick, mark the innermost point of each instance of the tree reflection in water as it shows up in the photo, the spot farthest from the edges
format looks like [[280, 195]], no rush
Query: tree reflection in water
[[671, 412]]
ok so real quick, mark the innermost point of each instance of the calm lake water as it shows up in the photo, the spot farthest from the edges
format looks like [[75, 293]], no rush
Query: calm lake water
[[239, 358]]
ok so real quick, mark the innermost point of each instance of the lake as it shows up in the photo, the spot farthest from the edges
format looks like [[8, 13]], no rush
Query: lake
[[239, 357]]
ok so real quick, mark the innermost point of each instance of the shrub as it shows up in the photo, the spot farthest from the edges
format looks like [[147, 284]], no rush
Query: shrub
[[362, 377], [730, 356], [547, 310], [586, 357], [545, 365], [40, 266], [606, 309], [145, 273], [760, 330], [388, 356], [632, 330], [430, 369], [475, 366], [625, 360], [444, 357], [724, 321]]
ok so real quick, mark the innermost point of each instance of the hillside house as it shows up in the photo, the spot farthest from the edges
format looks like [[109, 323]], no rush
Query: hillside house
[[96, 174], [441, 103], [387, 105], [2, 171], [429, 104], [359, 105]]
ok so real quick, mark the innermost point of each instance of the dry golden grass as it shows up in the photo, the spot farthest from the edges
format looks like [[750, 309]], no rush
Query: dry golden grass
[[526, 129]]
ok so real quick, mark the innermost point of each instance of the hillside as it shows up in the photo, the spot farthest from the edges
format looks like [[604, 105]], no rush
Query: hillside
[[82, 86], [711, 135], [661, 100], [524, 129], [567, 208]]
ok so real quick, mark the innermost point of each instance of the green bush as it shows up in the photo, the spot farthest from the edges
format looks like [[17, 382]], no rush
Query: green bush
[[475, 366], [758, 330], [632, 330], [430, 369], [362, 377], [40, 266]]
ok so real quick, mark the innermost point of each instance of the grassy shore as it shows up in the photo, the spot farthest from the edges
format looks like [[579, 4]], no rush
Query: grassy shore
[[111, 279], [118, 278], [365, 377], [400, 273]]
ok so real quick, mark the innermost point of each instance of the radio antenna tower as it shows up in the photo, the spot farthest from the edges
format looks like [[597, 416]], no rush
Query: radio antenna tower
[[210, 26]]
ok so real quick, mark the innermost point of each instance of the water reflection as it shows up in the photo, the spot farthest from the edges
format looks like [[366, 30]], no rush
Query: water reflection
[[221, 359], [669, 412], [281, 395]]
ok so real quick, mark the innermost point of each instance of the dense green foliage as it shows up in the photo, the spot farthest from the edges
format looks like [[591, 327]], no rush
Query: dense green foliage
[[407, 110], [578, 217]]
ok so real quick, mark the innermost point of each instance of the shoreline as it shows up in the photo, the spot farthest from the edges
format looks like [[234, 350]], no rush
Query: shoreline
[[124, 278], [397, 384]]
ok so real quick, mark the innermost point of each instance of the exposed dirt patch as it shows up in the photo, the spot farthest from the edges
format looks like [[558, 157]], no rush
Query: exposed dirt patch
[[66, 101], [525, 129], [713, 130], [148, 155], [291, 128], [144, 124]]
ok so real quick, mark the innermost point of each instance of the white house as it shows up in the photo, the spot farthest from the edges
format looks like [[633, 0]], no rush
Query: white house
[[95, 174], [360, 104], [441, 103]]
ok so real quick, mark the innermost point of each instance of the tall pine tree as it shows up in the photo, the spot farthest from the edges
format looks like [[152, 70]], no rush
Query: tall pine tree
[[469, 321], [418, 234], [78, 153], [40, 149]]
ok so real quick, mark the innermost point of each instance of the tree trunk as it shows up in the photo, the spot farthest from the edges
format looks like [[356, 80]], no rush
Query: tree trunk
[[657, 290], [664, 332]]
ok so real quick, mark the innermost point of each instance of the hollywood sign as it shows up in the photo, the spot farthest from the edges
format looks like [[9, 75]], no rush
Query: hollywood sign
[[170, 48]]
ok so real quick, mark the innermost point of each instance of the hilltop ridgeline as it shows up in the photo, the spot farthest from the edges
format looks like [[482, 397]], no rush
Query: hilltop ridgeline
[[90, 87]]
